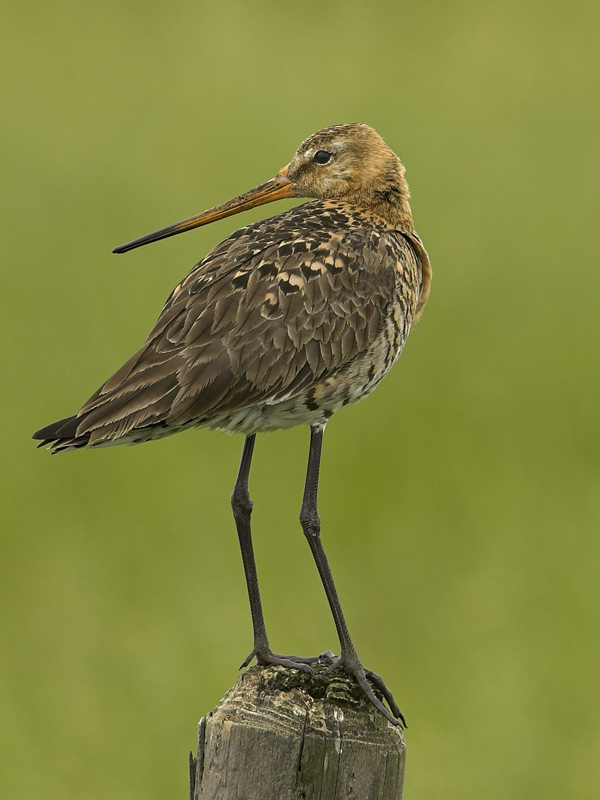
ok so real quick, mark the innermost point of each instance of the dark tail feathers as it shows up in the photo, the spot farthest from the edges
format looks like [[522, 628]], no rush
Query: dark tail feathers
[[61, 431]]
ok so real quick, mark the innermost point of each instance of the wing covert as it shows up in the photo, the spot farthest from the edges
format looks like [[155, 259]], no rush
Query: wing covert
[[269, 312]]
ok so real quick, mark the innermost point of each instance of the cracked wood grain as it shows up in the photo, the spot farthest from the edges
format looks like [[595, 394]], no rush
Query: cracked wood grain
[[279, 734]]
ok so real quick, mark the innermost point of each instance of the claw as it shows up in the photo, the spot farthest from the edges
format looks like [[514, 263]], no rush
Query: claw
[[246, 662], [377, 681], [365, 678]]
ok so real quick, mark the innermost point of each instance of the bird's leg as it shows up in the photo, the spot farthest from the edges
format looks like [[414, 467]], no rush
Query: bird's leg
[[242, 509], [311, 526]]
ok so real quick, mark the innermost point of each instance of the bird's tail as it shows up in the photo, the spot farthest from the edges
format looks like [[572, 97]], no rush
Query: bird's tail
[[62, 435]]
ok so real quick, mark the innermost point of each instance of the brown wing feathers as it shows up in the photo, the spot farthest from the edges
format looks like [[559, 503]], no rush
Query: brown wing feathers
[[247, 326]]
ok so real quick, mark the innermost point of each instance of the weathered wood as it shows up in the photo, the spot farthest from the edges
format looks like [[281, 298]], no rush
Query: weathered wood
[[279, 734]]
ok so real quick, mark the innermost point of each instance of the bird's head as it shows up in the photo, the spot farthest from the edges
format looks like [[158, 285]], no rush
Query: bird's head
[[347, 162], [350, 163]]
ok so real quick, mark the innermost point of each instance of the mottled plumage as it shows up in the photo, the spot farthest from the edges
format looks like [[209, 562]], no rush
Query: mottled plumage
[[283, 323]]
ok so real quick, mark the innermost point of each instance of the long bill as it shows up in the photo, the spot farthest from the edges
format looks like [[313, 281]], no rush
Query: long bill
[[277, 188]]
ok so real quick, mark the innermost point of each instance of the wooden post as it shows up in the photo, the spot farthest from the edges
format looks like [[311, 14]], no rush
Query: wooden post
[[281, 734]]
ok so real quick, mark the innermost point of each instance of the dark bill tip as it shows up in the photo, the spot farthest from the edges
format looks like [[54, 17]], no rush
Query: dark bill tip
[[277, 188]]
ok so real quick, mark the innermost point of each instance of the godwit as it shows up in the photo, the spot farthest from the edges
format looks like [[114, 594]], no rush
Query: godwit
[[282, 324]]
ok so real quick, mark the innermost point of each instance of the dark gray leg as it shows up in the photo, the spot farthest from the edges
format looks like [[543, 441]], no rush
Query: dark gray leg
[[311, 526], [242, 510]]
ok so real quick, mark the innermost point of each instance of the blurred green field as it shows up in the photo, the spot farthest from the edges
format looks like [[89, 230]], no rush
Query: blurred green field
[[460, 503]]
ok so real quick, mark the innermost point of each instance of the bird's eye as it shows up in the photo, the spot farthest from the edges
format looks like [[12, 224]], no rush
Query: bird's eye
[[322, 157]]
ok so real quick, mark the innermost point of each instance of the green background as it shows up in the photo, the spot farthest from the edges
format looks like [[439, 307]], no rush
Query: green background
[[459, 503]]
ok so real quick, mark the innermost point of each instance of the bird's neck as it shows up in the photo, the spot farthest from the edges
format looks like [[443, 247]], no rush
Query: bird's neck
[[387, 199], [386, 209], [393, 209]]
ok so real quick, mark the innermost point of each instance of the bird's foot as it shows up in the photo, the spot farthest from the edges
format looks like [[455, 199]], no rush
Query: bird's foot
[[368, 681], [265, 657]]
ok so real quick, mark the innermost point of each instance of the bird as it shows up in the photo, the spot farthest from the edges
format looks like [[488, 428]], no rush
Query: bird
[[285, 322]]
